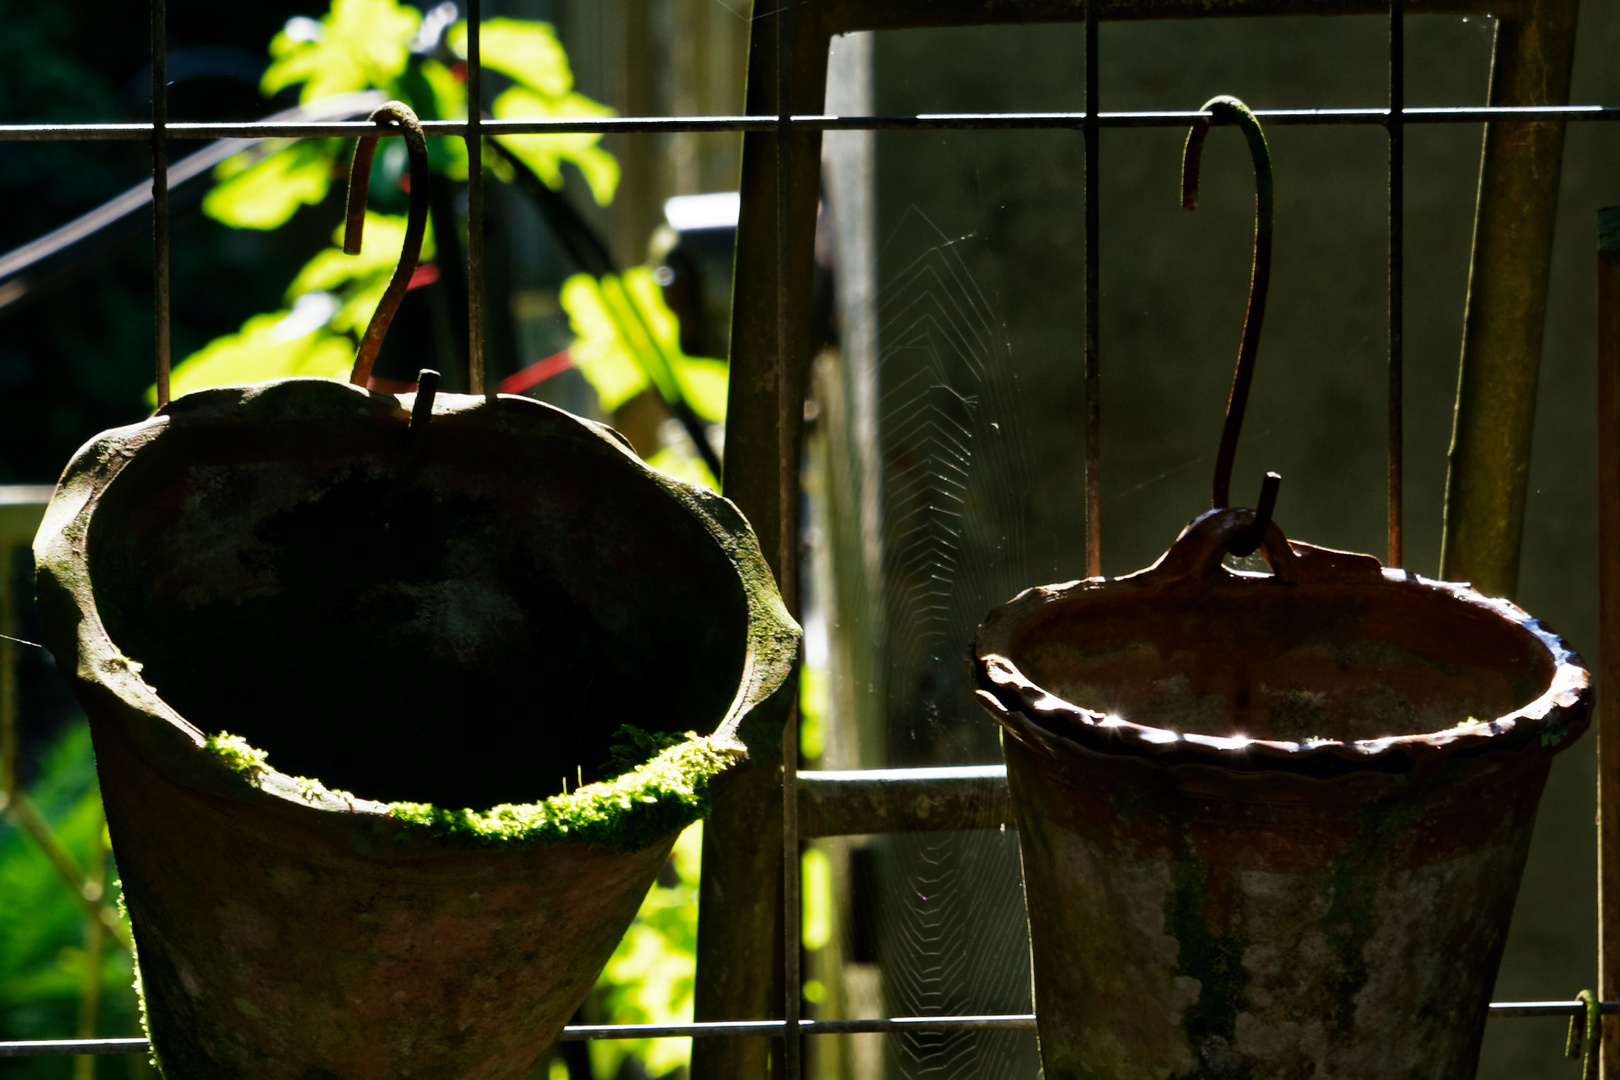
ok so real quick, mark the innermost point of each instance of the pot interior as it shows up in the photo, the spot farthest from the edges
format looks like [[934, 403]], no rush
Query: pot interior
[[467, 627], [1293, 663]]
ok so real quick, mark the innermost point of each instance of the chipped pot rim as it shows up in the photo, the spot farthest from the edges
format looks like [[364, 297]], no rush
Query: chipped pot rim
[[178, 749], [1555, 717]]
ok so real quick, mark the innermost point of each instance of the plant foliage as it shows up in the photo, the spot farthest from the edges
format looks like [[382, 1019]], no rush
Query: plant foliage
[[368, 45], [42, 925]]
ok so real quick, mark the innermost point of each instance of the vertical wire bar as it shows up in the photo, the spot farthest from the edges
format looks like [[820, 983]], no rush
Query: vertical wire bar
[[160, 193], [1608, 683], [1397, 284], [792, 980], [475, 205], [1093, 348]]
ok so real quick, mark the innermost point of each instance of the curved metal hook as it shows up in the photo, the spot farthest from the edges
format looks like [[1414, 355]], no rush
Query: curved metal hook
[[1229, 110], [1249, 540], [392, 115]]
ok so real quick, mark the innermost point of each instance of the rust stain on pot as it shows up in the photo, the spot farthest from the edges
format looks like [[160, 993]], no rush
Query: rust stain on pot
[[461, 619], [1272, 825]]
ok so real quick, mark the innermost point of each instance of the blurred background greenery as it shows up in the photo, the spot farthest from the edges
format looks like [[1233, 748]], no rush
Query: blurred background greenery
[[262, 290]]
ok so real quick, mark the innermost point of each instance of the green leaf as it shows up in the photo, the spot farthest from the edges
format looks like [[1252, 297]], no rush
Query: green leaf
[[266, 193], [629, 339], [330, 269], [274, 346], [652, 974], [448, 89], [41, 920], [599, 351], [362, 44], [661, 324], [360, 279], [704, 382], [816, 890], [545, 154], [814, 694], [648, 330], [360, 304], [332, 297], [527, 51], [683, 464]]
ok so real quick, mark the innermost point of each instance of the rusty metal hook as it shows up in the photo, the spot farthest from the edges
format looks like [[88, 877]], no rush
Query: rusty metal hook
[[1249, 540], [427, 389], [1229, 110], [393, 115]]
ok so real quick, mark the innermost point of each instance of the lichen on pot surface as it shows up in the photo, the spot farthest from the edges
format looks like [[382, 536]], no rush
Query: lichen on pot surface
[[1271, 825]]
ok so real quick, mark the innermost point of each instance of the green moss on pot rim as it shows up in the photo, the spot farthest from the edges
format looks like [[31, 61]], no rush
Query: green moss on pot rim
[[648, 803], [639, 808], [235, 752]]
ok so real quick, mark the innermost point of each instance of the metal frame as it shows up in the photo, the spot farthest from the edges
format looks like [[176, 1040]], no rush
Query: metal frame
[[1486, 486], [743, 862]]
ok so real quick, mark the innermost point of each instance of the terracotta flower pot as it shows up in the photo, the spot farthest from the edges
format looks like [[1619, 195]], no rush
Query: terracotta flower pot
[[452, 619], [1272, 825]]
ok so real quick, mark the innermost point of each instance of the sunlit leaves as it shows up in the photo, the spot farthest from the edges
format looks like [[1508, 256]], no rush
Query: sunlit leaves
[[683, 464], [701, 380], [358, 280], [815, 693], [531, 55], [448, 91], [41, 920], [816, 888], [545, 154], [360, 44], [527, 51], [273, 346], [330, 302], [651, 977], [599, 350], [384, 237], [628, 339], [265, 193]]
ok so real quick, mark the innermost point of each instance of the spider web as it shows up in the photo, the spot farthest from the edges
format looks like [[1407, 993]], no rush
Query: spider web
[[951, 472]]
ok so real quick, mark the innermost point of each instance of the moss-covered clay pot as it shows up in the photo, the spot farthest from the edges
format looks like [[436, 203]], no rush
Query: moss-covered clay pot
[[1272, 825], [451, 621]]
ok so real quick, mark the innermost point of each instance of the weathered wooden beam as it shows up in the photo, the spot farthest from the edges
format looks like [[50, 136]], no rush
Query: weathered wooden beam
[[844, 16], [903, 800], [740, 906], [1608, 686], [1507, 303]]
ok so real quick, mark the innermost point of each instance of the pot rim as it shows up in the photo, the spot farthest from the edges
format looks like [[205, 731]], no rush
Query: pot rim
[[176, 748], [1554, 718]]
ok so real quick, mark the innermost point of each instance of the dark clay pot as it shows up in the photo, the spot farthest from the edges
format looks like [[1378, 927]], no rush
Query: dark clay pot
[[1272, 825], [461, 613]]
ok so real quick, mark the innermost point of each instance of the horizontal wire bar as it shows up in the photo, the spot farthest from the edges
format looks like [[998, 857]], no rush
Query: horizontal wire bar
[[1518, 1009], [735, 1028], [1179, 118], [350, 128], [58, 1047], [918, 122], [582, 1032]]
